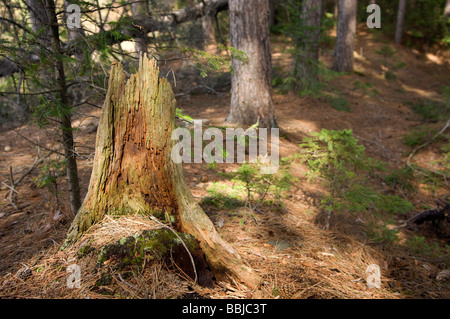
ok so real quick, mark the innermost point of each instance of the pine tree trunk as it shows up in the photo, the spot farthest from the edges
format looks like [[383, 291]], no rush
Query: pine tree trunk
[[345, 40], [44, 21], [447, 9], [251, 83], [400, 21], [306, 70], [133, 170], [209, 32]]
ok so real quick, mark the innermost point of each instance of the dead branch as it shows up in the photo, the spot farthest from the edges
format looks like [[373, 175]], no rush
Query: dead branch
[[434, 215]]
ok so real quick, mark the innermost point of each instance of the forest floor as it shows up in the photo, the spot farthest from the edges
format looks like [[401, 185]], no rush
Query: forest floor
[[290, 247]]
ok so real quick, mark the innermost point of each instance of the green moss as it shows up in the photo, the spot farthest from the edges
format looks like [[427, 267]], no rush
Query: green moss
[[150, 243], [104, 280], [84, 251]]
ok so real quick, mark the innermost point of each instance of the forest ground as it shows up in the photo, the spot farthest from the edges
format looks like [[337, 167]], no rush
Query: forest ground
[[296, 256]]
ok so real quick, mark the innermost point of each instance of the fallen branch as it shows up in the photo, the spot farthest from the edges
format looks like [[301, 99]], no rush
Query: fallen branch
[[434, 215]]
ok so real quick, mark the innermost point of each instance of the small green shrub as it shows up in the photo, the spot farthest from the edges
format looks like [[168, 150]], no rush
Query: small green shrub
[[339, 103], [338, 159], [251, 187], [401, 178], [419, 245], [431, 111], [389, 75], [386, 52], [336, 156]]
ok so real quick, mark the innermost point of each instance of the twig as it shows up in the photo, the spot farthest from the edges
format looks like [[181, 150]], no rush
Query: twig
[[257, 254], [12, 190], [199, 87], [38, 145]]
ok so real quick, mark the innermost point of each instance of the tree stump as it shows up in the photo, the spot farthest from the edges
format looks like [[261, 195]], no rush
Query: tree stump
[[133, 170]]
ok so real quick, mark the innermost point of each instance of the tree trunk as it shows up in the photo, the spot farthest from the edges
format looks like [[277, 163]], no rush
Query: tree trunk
[[209, 32], [400, 21], [133, 170], [66, 121], [251, 83], [306, 70], [447, 9], [345, 40]]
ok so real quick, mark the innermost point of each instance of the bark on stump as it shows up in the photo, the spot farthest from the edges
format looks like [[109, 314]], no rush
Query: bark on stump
[[133, 170]]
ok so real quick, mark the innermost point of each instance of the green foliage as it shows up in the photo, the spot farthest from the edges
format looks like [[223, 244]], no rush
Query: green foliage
[[335, 156], [366, 87], [49, 175], [222, 196], [424, 21], [338, 159], [401, 178], [360, 198], [386, 52], [432, 111], [206, 62], [419, 245], [418, 136], [257, 185], [339, 103], [251, 187], [379, 232], [389, 75]]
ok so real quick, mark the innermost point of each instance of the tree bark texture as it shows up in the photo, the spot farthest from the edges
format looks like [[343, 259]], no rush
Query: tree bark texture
[[133, 170], [251, 83], [345, 40], [400, 21]]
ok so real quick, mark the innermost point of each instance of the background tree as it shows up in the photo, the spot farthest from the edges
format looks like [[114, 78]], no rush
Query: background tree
[[251, 82], [400, 21], [345, 39], [209, 31], [447, 10], [306, 70], [45, 27]]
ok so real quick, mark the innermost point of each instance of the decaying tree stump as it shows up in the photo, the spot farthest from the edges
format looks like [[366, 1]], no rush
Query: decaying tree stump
[[133, 170]]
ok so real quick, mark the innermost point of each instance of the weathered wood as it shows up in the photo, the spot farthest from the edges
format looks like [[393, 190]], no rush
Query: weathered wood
[[133, 170]]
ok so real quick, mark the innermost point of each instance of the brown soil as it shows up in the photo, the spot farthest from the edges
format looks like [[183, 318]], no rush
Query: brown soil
[[289, 248]]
